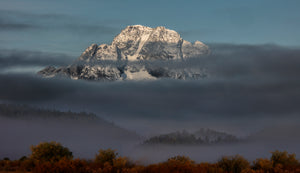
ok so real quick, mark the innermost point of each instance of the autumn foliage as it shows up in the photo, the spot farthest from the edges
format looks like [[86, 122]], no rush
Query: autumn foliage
[[234, 164], [52, 157], [50, 151]]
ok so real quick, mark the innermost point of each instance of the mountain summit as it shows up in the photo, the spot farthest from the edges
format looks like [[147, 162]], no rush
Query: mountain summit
[[131, 55], [139, 42]]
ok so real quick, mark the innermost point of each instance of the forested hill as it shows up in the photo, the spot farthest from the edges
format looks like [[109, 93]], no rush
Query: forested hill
[[31, 113], [202, 136], [22, 126]]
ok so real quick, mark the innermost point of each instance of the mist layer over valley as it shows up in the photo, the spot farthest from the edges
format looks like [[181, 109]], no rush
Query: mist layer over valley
[[251, 92]]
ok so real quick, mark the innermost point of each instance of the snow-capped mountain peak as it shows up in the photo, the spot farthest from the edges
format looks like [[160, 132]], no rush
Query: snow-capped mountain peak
[[139, 42], [130, 55]]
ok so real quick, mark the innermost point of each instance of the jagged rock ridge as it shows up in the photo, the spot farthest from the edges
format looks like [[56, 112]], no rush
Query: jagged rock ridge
[[135, 44], [144, 43]]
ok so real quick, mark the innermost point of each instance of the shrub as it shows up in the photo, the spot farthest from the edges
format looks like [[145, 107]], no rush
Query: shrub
[[50, 151], [23, 158], [284, 159], [6, 158], [234, 164], [63, 166], [262, 164], [181, 159], [121, 163], [177, 164], [104, 156]]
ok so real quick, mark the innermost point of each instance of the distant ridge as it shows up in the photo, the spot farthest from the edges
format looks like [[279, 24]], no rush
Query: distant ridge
[[30, 113], [200, 137]]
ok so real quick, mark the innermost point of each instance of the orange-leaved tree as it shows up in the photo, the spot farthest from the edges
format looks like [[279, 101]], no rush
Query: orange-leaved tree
[[234, 164], [104, 156], [50, 152], [284, 158]]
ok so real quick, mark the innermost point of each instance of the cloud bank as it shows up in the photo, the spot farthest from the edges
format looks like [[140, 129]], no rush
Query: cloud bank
[[243, 81], [249, 88]]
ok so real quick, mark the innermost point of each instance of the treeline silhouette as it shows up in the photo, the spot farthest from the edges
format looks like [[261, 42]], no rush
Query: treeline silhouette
[[52, 157], [200, 137], [27, 112]]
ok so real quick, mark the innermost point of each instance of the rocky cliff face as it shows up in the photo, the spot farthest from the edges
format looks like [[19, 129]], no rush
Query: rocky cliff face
[[144, 43], [135, 44]]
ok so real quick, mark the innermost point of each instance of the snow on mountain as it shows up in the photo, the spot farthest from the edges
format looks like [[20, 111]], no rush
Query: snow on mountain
[[144, 43], [134, 45]]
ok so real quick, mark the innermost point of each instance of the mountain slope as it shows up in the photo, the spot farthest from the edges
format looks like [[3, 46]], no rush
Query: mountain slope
[[144, 43], [131, 56], [84, 133]]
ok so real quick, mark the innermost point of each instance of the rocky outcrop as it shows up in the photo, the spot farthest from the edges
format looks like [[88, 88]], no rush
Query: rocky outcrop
[[144, 43], [132, 47]]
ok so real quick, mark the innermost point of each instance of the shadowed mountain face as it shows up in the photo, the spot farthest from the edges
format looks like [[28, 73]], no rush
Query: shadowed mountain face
[[131, 54]]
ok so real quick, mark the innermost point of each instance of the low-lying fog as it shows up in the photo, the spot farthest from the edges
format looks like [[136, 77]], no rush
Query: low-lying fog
[[84, 139], [250, 91]]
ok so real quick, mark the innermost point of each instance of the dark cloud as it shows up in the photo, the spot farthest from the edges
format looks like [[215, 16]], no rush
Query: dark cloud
[[5, 25], [26, 88], [255, 61], [244, 81], [17, 59]]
